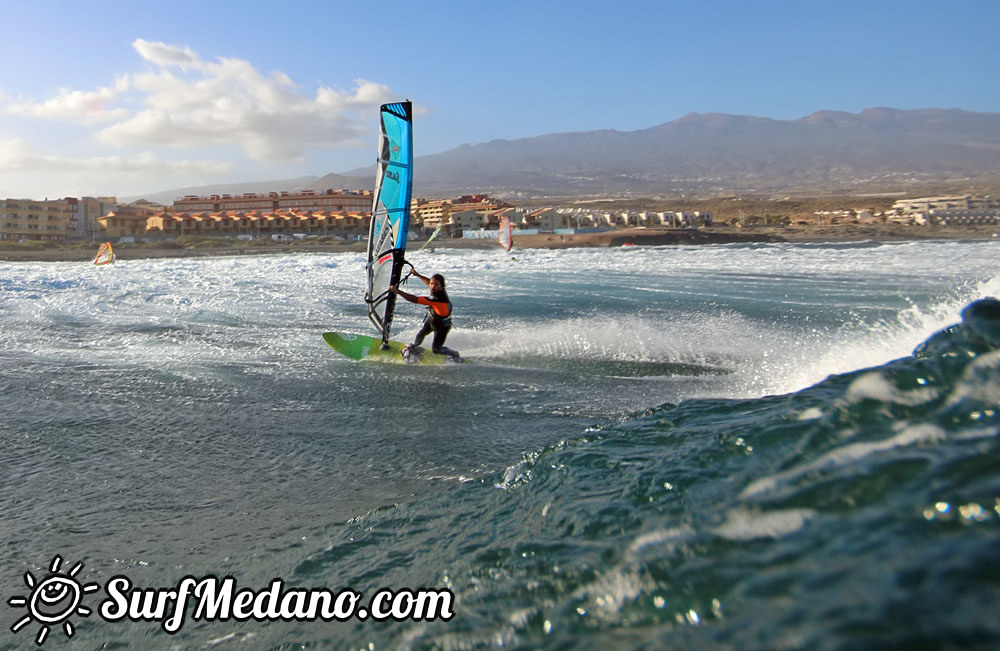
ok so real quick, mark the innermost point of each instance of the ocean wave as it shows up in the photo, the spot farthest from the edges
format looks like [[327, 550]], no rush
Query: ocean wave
[[826, 517]]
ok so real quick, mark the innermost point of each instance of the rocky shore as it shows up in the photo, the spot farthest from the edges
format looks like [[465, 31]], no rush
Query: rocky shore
[[42, 252]]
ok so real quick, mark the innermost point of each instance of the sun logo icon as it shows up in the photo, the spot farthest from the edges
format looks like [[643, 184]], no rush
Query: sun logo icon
[[53, 600]]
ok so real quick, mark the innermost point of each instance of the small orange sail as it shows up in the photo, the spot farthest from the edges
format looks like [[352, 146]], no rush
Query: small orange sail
[[105, 254]]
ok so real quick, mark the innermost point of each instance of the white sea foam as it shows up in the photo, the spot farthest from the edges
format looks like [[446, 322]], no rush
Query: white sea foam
[[979, 382], [743, 524], [875, 386], [848, 455], [767, 318]]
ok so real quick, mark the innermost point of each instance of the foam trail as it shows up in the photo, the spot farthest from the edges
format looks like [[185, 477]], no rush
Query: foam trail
[[686, 338]]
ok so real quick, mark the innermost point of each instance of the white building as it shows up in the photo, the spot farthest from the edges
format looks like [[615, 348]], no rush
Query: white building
[[958, 202], [466, 220]]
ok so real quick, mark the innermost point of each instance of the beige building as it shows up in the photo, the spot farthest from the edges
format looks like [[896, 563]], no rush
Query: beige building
[[233, 223], [961, 210], [122, 222], [329, 201], [468, 220], [514, 215], [302, 200], [68, 218], [548, 219], [431, 213], [26, 219], [949, 203], [88, 211]]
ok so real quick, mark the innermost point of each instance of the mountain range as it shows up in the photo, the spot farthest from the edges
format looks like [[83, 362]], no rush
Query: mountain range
[[878, 149]]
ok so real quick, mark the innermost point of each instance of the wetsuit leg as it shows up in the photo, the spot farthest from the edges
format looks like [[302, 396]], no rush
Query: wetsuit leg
[[425, 330], [440, 334]]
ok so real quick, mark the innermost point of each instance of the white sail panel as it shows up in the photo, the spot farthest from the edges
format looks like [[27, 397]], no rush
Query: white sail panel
[[506, 235]]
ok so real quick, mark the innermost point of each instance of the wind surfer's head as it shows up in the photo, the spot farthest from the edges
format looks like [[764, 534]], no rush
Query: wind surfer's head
[[437, 283]]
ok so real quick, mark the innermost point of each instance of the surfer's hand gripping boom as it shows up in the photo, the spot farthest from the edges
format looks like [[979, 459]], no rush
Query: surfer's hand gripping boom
[[412, 272]]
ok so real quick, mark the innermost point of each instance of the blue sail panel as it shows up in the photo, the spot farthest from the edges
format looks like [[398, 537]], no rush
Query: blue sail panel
[[390, 223]]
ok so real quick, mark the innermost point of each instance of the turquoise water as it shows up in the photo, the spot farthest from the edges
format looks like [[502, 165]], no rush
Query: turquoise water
[[707, 447]]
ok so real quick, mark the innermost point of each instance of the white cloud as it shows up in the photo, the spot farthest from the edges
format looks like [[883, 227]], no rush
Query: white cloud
[[84, 107], [19, 156], [191, 103], [165, 55], [231, 102], [183, 101]]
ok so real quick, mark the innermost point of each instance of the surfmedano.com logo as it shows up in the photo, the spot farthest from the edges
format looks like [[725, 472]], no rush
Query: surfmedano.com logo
[[54, 600]]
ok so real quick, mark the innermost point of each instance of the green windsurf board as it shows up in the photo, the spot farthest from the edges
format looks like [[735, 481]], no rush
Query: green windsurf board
[[361, 347]]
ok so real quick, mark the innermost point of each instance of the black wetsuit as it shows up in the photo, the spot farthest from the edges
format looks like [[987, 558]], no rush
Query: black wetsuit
[[438, 320]]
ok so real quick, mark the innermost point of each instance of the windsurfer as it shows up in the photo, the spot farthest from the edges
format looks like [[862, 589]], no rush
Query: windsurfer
[[438, 319]]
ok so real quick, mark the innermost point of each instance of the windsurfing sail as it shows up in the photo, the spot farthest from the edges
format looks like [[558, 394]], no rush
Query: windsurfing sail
[[105, 254], [506, 235], [431, 238], [390, 212]]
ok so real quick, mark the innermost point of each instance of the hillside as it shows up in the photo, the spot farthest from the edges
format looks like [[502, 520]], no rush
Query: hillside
[[876, 151]]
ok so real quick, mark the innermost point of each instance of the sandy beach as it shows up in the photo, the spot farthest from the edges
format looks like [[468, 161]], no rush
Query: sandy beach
[[57, 252]]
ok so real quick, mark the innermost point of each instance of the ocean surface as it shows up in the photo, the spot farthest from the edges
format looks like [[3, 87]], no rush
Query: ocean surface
[[711, 447]]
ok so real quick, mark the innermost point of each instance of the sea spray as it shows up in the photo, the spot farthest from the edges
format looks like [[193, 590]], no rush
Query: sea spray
[[824, 517]]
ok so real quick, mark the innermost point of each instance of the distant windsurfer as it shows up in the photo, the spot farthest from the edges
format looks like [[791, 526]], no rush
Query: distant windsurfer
[[438, 319]]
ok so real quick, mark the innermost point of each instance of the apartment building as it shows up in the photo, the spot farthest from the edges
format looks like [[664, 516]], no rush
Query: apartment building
[[83, 224], [964, 217], [234, 222], [464, 220], [548, 219], [964, 210], [27, 219], [328, 200], [431, 213], [959, 202], [123, 222]]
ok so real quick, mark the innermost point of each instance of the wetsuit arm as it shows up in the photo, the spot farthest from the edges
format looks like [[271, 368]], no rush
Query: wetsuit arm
[[427, 281], [410, 297]]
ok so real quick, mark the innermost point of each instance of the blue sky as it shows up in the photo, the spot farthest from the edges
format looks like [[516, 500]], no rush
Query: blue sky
[[118, 98]]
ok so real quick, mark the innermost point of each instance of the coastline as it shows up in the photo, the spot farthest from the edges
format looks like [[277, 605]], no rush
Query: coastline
[[613, 238]]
